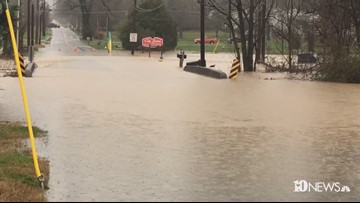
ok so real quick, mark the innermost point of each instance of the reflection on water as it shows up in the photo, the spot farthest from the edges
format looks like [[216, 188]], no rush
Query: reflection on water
[[145, 131]]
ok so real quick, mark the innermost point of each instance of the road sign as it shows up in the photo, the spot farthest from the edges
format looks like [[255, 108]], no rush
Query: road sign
[[157, 42], [146, 42], [133, 37], [152, 42]]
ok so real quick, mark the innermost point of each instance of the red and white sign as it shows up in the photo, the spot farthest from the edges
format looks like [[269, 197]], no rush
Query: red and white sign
[[146, 42], [152, 42], [157, 42]]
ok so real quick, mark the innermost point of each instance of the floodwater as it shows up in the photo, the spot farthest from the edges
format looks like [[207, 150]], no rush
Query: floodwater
[[128, 128]]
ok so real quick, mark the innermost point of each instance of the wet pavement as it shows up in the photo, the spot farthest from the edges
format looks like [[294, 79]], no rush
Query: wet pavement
[[131, 128]]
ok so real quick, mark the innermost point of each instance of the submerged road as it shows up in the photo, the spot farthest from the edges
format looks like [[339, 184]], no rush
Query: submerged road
[[129, 128]]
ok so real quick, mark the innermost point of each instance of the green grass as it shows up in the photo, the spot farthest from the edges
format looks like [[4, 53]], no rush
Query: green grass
[[274, 47], [11, 131], [187, 43], [48, 36], [16, 158], [22, 178], [101, 44], [18, 182]]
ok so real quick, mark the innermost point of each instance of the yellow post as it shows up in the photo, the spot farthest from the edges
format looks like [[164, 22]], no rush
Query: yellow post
[[110, 46], [109, 43], [217, 44], [28, 119]]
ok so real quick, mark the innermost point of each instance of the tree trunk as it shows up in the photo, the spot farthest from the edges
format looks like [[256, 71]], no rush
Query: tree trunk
[[232, 31], [86, 7], [261, 32], [290, 35], [263, 36], [310, 38], [236, 46], [37, 23], [250, 47], [357, 27], [86, 30], [243, 36], [258, 35]]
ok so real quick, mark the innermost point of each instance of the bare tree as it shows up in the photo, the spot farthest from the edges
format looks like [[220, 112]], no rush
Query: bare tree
[[286, 26], [338, 36], [355, 15], [241, 20], [85, 7], [263, 17], [335, 29]]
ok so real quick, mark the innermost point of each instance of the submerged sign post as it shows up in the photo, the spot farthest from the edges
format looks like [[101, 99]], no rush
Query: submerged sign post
[[150, 42]]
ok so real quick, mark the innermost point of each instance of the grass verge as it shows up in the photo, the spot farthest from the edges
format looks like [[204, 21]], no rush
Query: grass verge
[[186, 43], [18, 182]]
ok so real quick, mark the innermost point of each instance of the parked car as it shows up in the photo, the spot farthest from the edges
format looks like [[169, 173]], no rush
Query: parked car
[[53, 25], [308, 57], [207, 40], [231, 40]]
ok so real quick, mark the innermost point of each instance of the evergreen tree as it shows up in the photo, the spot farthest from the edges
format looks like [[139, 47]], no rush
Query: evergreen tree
[[156, 23]]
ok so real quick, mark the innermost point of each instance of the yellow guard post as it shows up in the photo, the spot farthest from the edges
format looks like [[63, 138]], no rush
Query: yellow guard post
[[28, 119]]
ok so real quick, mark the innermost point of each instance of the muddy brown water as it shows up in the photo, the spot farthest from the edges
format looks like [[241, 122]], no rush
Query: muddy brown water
[[134, 129]]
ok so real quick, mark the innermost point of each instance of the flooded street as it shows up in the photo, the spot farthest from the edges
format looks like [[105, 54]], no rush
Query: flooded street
[[125, 128]]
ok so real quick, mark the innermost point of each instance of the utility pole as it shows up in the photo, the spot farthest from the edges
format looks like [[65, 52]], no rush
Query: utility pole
[[32, 24], [134, 27], [37, 22], [97, 26], [28, 24], [202, 35], [107, 24], [44, 19], [40, 27], [32, 19], [107, 38], [18, 25]]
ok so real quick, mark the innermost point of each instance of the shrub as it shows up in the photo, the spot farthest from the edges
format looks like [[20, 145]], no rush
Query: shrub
[[346, 71], [157, 23], [101, 35]]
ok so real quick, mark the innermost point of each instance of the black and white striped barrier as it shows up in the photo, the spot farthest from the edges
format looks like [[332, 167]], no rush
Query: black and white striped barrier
[[27, 70]]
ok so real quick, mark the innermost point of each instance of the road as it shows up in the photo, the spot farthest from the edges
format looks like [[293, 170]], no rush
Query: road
[[131, 128], [65, 41]]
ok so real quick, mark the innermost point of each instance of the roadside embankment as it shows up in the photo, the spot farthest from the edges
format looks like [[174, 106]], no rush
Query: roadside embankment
[[18, 182]]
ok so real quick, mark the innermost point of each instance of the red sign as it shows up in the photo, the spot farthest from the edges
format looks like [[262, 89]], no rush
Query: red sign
[[152, 42], [146, 42], [157, 42]]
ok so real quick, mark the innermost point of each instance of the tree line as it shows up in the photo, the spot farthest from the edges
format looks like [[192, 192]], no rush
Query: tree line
[[329, 28]]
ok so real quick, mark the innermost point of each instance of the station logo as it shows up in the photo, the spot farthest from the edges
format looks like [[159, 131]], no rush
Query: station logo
[[302, 186]]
